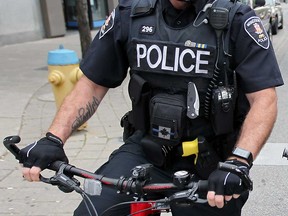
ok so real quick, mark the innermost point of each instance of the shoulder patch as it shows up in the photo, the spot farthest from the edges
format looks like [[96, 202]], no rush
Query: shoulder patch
[[254, 28], [108, 25]]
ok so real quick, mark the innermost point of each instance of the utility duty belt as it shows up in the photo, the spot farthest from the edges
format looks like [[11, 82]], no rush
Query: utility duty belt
[[168, 117], [165, 119]]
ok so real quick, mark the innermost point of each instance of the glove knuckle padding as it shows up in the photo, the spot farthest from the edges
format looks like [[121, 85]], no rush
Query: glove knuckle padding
[[43, 152], [226, 183]]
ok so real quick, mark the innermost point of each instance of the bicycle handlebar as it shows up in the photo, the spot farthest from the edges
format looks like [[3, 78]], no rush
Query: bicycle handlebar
[[126, 184], [185, 191], [285, 153], [123, 184], [9, 142], [135, 184]]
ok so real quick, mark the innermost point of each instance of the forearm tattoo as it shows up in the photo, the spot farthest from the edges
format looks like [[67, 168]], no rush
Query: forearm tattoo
[[85, 113]]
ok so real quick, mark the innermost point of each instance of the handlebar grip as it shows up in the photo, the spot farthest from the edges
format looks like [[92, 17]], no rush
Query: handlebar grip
[[55, 166], [235, 170], [203, 186], [10, 143]]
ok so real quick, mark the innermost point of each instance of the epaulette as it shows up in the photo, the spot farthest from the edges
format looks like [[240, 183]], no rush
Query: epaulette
[[142, 7]]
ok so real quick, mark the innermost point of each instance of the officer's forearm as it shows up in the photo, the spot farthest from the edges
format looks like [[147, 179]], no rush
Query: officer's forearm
[[77, 108], [259, 121]]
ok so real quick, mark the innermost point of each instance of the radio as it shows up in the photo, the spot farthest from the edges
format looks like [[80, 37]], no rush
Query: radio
[[222, 110]]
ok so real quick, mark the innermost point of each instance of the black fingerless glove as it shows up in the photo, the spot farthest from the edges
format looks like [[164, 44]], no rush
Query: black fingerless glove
[[227, 183], [43, 152]]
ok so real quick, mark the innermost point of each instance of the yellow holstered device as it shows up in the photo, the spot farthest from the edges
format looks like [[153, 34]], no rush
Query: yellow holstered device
[[190, 148]]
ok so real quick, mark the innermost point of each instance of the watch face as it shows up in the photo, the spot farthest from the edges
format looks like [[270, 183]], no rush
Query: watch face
[[243, 154]]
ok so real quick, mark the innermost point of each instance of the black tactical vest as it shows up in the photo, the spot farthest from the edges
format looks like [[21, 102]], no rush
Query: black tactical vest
[[169, 58]]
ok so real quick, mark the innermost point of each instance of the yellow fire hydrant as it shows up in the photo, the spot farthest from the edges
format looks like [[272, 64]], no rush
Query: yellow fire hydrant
[[64, 72]]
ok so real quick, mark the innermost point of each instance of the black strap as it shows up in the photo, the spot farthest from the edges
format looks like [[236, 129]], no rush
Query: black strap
[[232, 7], [223, 51]]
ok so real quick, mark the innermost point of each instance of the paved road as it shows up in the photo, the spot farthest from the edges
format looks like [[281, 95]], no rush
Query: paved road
[[28, 107]]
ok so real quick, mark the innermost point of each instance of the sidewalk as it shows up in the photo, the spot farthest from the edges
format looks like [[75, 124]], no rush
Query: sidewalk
[[28, 108]]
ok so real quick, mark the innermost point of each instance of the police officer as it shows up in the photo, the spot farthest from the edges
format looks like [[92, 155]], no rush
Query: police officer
[[178, 56]]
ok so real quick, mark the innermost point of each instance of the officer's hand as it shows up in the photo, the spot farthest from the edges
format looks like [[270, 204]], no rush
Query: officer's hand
[[38, 155], [222, 185]]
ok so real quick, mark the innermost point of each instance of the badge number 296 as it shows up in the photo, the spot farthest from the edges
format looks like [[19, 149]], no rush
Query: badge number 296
[[147, 29]]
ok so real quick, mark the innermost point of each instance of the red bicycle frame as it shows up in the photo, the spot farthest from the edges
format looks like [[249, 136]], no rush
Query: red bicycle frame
[[143, 209]]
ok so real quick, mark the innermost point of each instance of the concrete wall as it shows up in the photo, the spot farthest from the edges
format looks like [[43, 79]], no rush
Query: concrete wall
[[111, 5], [20, 21]]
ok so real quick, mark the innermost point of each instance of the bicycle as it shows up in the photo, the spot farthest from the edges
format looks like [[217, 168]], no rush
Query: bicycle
[[185, 190]]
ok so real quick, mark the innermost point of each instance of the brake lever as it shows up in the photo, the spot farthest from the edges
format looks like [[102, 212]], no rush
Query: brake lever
[[65, 183], [189, 195], [10, 143]]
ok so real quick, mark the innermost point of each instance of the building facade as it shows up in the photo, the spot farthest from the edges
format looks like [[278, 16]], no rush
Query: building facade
[[29, 20]]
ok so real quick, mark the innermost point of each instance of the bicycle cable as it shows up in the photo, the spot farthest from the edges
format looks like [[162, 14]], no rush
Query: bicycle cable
[[115, 206], [87, 200]]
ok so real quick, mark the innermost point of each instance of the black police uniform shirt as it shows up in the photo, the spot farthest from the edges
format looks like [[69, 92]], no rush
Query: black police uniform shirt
[[106, 62]]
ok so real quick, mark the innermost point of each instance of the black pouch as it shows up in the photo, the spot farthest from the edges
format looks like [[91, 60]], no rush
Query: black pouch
[[167, 118], [159, 155], [222, 110], [207, 160], [167, 123], [127, 123], [140, 94]]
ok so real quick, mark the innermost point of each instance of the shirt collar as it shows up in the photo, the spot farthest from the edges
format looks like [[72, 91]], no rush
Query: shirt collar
[[197, 6]]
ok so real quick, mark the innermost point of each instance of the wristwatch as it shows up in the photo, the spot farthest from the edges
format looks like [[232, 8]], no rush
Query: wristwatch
[[244, 154]]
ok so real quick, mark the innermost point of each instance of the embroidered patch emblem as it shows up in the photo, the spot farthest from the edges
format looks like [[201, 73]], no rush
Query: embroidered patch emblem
[[254, 27], [108, 25], [163, 132]]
